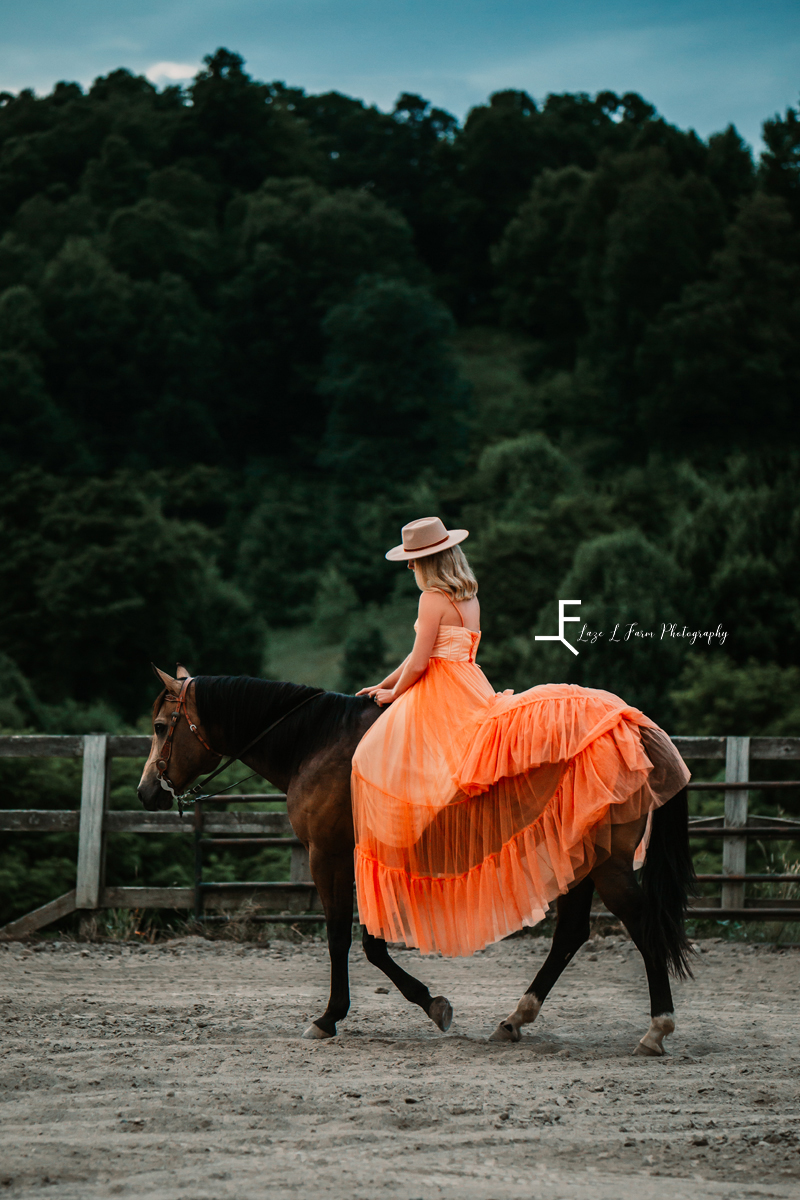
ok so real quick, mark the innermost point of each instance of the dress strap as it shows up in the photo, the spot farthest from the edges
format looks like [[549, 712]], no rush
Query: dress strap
[[455, 606]]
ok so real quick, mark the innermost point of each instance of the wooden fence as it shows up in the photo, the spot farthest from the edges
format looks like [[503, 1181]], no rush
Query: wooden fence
[[296, 899]]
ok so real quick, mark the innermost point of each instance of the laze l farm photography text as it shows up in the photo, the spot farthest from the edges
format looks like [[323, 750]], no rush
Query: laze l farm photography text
[[625, 631]]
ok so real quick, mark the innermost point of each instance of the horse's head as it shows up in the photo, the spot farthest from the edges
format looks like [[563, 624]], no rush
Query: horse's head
[[179, 751]]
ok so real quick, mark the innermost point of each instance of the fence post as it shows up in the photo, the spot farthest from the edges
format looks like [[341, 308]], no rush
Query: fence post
[[299, 866], [94, 791], [199, 818], [734, 849]]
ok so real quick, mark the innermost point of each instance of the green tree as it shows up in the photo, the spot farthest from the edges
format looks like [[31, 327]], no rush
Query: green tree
[[19, 704], [117, 177], [364, 659], [396, 401], [613, 576], [31, 426], [187, 194], [281, 543], [730, 167], [407, 159], [150, 238], [334, 603], [97, 582], [44, 223], [780, 163], [538, 262], [658, 238], [736, 536], [716, 698], [239, 131], [720, 369], [133, 363], [300, 250], [529, 509]]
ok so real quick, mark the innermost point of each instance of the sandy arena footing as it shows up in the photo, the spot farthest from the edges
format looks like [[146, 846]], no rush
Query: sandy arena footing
[[178, 1070]]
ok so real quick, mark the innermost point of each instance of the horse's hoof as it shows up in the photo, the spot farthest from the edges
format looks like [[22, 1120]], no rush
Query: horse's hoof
[[506, 1032], [314, 1033], [650, 1051], [441, 1012]]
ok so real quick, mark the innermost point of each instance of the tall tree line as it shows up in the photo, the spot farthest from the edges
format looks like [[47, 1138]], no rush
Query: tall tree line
[[230, 324]]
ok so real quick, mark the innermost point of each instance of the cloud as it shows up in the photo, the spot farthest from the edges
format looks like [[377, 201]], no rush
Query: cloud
[[171, 72]]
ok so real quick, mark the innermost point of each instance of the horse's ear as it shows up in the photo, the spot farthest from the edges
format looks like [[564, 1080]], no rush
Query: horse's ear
[[182, 673], [172, 685]]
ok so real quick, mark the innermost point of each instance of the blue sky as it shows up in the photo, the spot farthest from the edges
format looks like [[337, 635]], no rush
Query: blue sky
[[702, 63]]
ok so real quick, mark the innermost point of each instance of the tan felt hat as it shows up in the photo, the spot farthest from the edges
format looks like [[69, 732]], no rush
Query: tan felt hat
[[425, 536]]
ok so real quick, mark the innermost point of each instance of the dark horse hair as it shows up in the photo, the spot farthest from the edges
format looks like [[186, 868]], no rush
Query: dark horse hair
[[668, 879], [241, 708]]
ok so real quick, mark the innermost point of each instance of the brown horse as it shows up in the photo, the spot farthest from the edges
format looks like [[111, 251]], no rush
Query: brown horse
[[304, 742]]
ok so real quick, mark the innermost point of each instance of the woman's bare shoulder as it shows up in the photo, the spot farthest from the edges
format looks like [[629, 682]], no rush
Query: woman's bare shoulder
[[432, 601]]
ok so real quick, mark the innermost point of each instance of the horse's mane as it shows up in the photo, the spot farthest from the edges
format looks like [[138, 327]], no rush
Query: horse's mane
[[241, 707]]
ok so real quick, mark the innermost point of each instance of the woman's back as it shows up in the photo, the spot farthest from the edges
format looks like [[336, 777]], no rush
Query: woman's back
[[460, 612]]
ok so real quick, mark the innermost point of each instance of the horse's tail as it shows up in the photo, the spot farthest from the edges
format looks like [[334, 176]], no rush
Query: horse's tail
[[668, 879]]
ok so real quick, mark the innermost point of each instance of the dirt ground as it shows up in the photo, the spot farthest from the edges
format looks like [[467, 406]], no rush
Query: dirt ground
[[178, 1071]]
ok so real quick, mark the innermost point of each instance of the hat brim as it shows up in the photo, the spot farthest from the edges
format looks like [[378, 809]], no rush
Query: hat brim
[[400, 554]]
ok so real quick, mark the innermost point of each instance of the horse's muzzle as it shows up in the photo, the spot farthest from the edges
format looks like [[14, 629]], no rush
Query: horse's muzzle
[[153, 797]]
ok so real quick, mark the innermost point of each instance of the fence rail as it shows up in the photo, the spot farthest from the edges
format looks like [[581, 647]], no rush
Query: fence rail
[[296, 899]]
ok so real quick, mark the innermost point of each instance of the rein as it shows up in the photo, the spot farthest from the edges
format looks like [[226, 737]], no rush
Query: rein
[[191, 794]]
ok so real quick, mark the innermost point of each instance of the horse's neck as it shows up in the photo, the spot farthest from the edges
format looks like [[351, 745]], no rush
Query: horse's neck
[[230, 730], [312, 768], [325, 727], [264, 764]]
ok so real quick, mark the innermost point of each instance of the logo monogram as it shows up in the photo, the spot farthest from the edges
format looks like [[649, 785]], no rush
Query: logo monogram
[[562, 620]]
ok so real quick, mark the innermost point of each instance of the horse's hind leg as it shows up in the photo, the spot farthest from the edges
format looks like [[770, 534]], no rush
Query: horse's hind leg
[[334, 879], [572, 930], [438, 1008], [620, 891]]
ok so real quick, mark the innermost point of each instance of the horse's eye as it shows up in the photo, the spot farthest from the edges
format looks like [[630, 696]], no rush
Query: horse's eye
[[160, 728]]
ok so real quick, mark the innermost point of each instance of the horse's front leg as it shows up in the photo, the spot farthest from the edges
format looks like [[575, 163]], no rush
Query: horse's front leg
[[334, 878], [438, 1008]]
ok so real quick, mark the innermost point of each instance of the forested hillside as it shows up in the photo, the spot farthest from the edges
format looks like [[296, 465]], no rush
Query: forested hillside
[[247, 332]]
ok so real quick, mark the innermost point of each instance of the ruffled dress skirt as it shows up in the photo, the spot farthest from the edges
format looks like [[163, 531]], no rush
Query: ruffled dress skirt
[[474, 810]]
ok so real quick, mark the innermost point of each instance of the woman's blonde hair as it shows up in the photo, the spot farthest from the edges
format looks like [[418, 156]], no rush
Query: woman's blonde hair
[[449, 572]]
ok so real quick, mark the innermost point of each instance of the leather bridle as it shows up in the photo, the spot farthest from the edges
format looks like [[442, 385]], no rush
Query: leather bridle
[[162, 762]]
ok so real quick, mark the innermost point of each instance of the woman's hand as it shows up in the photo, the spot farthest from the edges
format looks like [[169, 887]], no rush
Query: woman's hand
[[380, 694]]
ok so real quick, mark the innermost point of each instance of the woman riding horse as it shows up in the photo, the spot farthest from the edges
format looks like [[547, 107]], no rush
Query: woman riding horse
[[469, 811]]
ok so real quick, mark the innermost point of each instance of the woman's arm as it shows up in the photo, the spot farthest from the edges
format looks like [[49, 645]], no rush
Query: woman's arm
[[432, 606]]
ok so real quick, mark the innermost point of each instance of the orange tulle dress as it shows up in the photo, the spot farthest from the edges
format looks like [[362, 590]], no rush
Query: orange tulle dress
[[474, 810]]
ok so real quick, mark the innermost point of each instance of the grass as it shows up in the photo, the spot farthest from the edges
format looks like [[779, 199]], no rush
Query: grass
[[298, 656], [294, 655], [493, 362]]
